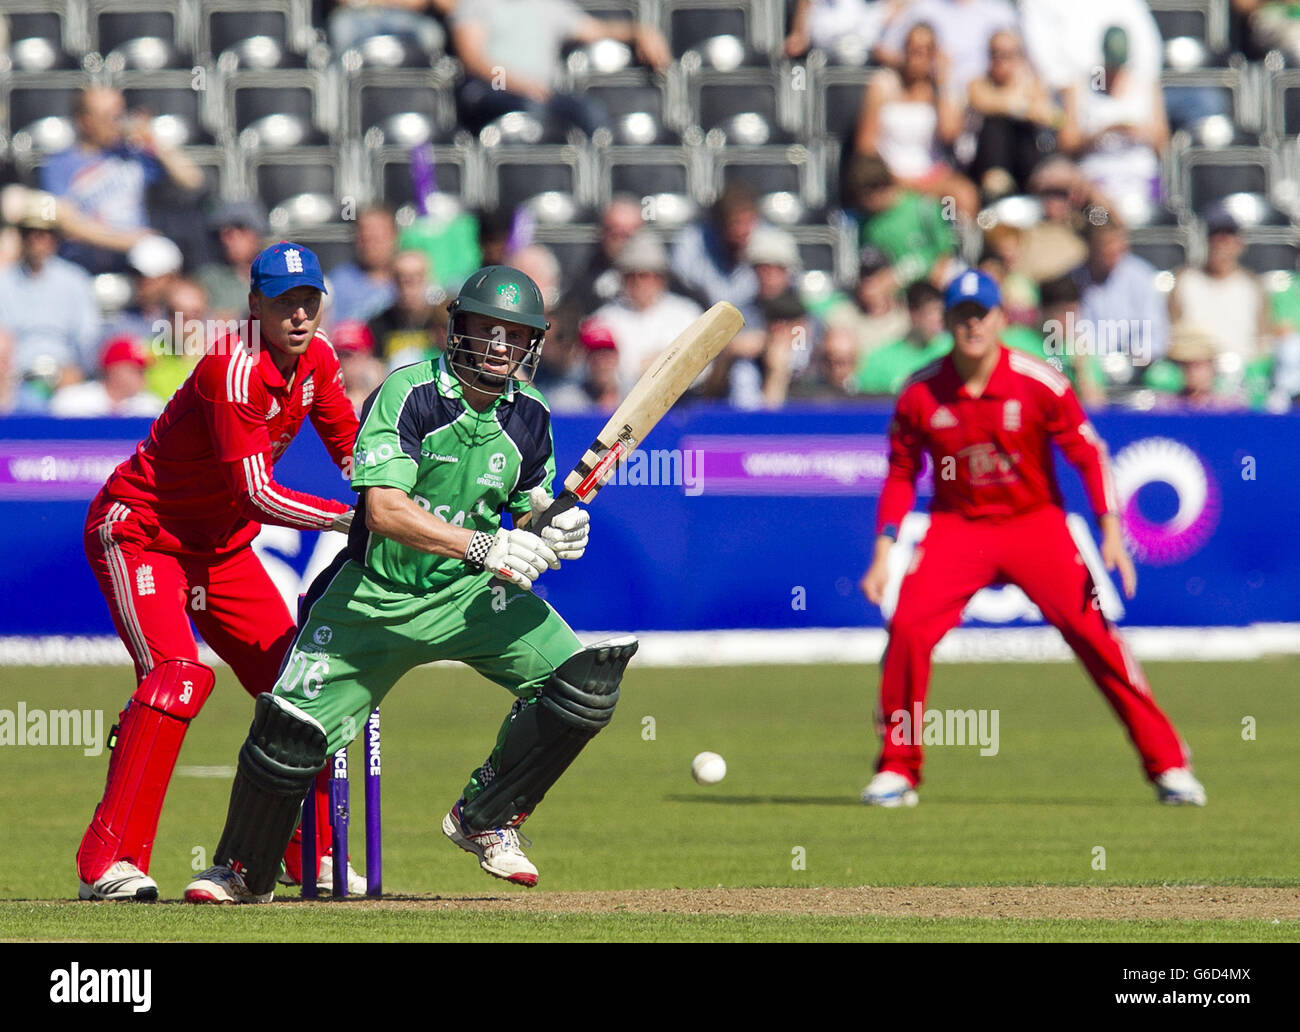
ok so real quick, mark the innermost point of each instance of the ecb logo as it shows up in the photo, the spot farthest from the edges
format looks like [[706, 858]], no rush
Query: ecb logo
[[292, 260], [322, 635], [497, 463]]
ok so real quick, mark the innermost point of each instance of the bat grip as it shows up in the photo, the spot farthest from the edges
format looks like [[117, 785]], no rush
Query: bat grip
[[566, 501]]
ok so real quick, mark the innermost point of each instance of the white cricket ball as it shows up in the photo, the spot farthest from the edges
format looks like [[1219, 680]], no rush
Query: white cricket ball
[[708, 768]]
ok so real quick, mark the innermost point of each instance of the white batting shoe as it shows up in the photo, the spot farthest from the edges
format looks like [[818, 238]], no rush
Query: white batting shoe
[[356, 883], [325, 880], [222, 884], [890, 790], [122, 881], [1177, 787], [497, 849]]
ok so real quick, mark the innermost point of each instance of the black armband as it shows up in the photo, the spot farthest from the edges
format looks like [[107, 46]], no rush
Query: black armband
[[890, 530], [476, 553]]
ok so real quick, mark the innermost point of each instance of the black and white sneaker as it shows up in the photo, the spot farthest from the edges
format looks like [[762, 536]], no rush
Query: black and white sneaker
[[121, 881], [223, 884]]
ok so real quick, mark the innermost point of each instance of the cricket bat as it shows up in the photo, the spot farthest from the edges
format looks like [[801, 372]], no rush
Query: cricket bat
[[654, 394]]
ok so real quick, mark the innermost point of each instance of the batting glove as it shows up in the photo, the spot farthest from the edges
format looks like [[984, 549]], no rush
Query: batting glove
[[518, 556], [568, 534], [343, 521]]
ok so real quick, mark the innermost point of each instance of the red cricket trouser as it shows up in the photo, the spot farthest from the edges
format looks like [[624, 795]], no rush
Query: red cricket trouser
[[958, 557], [153, 596]]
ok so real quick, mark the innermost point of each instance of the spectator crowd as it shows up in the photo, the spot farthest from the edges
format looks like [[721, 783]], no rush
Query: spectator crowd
[[969, 105]]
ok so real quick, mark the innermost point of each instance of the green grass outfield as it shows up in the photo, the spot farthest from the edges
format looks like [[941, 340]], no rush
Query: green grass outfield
[[798, 742]]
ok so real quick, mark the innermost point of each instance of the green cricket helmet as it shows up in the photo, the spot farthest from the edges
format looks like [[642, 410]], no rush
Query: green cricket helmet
[[496, 292]]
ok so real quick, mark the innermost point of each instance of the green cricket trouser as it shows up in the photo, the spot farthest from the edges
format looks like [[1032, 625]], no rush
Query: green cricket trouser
[[361, 635]]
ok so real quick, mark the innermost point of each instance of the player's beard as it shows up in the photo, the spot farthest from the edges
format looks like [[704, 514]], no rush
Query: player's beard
[[468, 366]]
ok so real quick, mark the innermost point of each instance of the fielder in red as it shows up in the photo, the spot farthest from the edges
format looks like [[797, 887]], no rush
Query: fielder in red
[[988, 417], [169, 539]]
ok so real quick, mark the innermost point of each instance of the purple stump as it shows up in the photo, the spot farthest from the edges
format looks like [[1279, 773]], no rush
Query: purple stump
[[339, 821], [374, 836], [309, 854]]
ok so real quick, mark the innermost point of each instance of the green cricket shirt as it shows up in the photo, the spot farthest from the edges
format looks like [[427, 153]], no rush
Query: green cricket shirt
[[885, 370], [913, 234], [419, 435]]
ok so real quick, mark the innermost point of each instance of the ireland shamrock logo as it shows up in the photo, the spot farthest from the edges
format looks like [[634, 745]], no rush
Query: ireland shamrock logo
[[509, 291]]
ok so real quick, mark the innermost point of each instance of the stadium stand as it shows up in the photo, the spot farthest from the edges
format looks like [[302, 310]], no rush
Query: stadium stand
[[250, 91]]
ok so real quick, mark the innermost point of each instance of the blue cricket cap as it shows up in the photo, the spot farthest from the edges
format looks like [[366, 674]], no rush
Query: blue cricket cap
[[284, 266], [974, 286]]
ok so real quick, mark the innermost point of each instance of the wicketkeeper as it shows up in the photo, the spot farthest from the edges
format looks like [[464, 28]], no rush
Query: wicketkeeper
[[988, 417], [169, 538], [445, 447]]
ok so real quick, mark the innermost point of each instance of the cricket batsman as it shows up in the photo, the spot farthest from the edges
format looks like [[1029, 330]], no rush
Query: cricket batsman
[[445, 447], [988, 416], [169, 538]]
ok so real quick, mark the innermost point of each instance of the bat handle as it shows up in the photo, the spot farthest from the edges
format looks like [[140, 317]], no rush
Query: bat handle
[[566, 501]]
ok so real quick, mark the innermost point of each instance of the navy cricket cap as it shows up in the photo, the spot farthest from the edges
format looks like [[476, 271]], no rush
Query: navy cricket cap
[[284, 266], [975, 287]]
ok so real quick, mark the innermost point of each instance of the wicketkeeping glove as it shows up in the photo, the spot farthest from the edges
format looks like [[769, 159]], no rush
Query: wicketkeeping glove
[[514, 555], [568, 534]]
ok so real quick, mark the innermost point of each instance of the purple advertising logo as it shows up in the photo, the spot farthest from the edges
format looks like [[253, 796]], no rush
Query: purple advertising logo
[[1162, 460], [57, 471], [787, 464]]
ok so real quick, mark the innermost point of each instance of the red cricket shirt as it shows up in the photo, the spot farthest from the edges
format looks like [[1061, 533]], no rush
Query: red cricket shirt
[[992, 455], [203, 474]]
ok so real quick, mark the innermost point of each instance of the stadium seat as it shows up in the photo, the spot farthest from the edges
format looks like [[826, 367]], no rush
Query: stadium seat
[[1166, 246], [771, 170], [143, 40], [663, 177], [612, 10], [836, 94], [1192, 71], [603, 57], [222, 30], [390, 107], [1271, 251], [176, 110], [1163, 254], [38, 38], [1210, 175], [36, 20], [453, 174], [333, 244], [744, 106], [280, 108], [645, 171], [388, 53], [690, 23], [1254, 211], [1206, 20], [1284, 106], [573, 247], [634, 91], [277, 179], [516, 175], [40, 117]]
